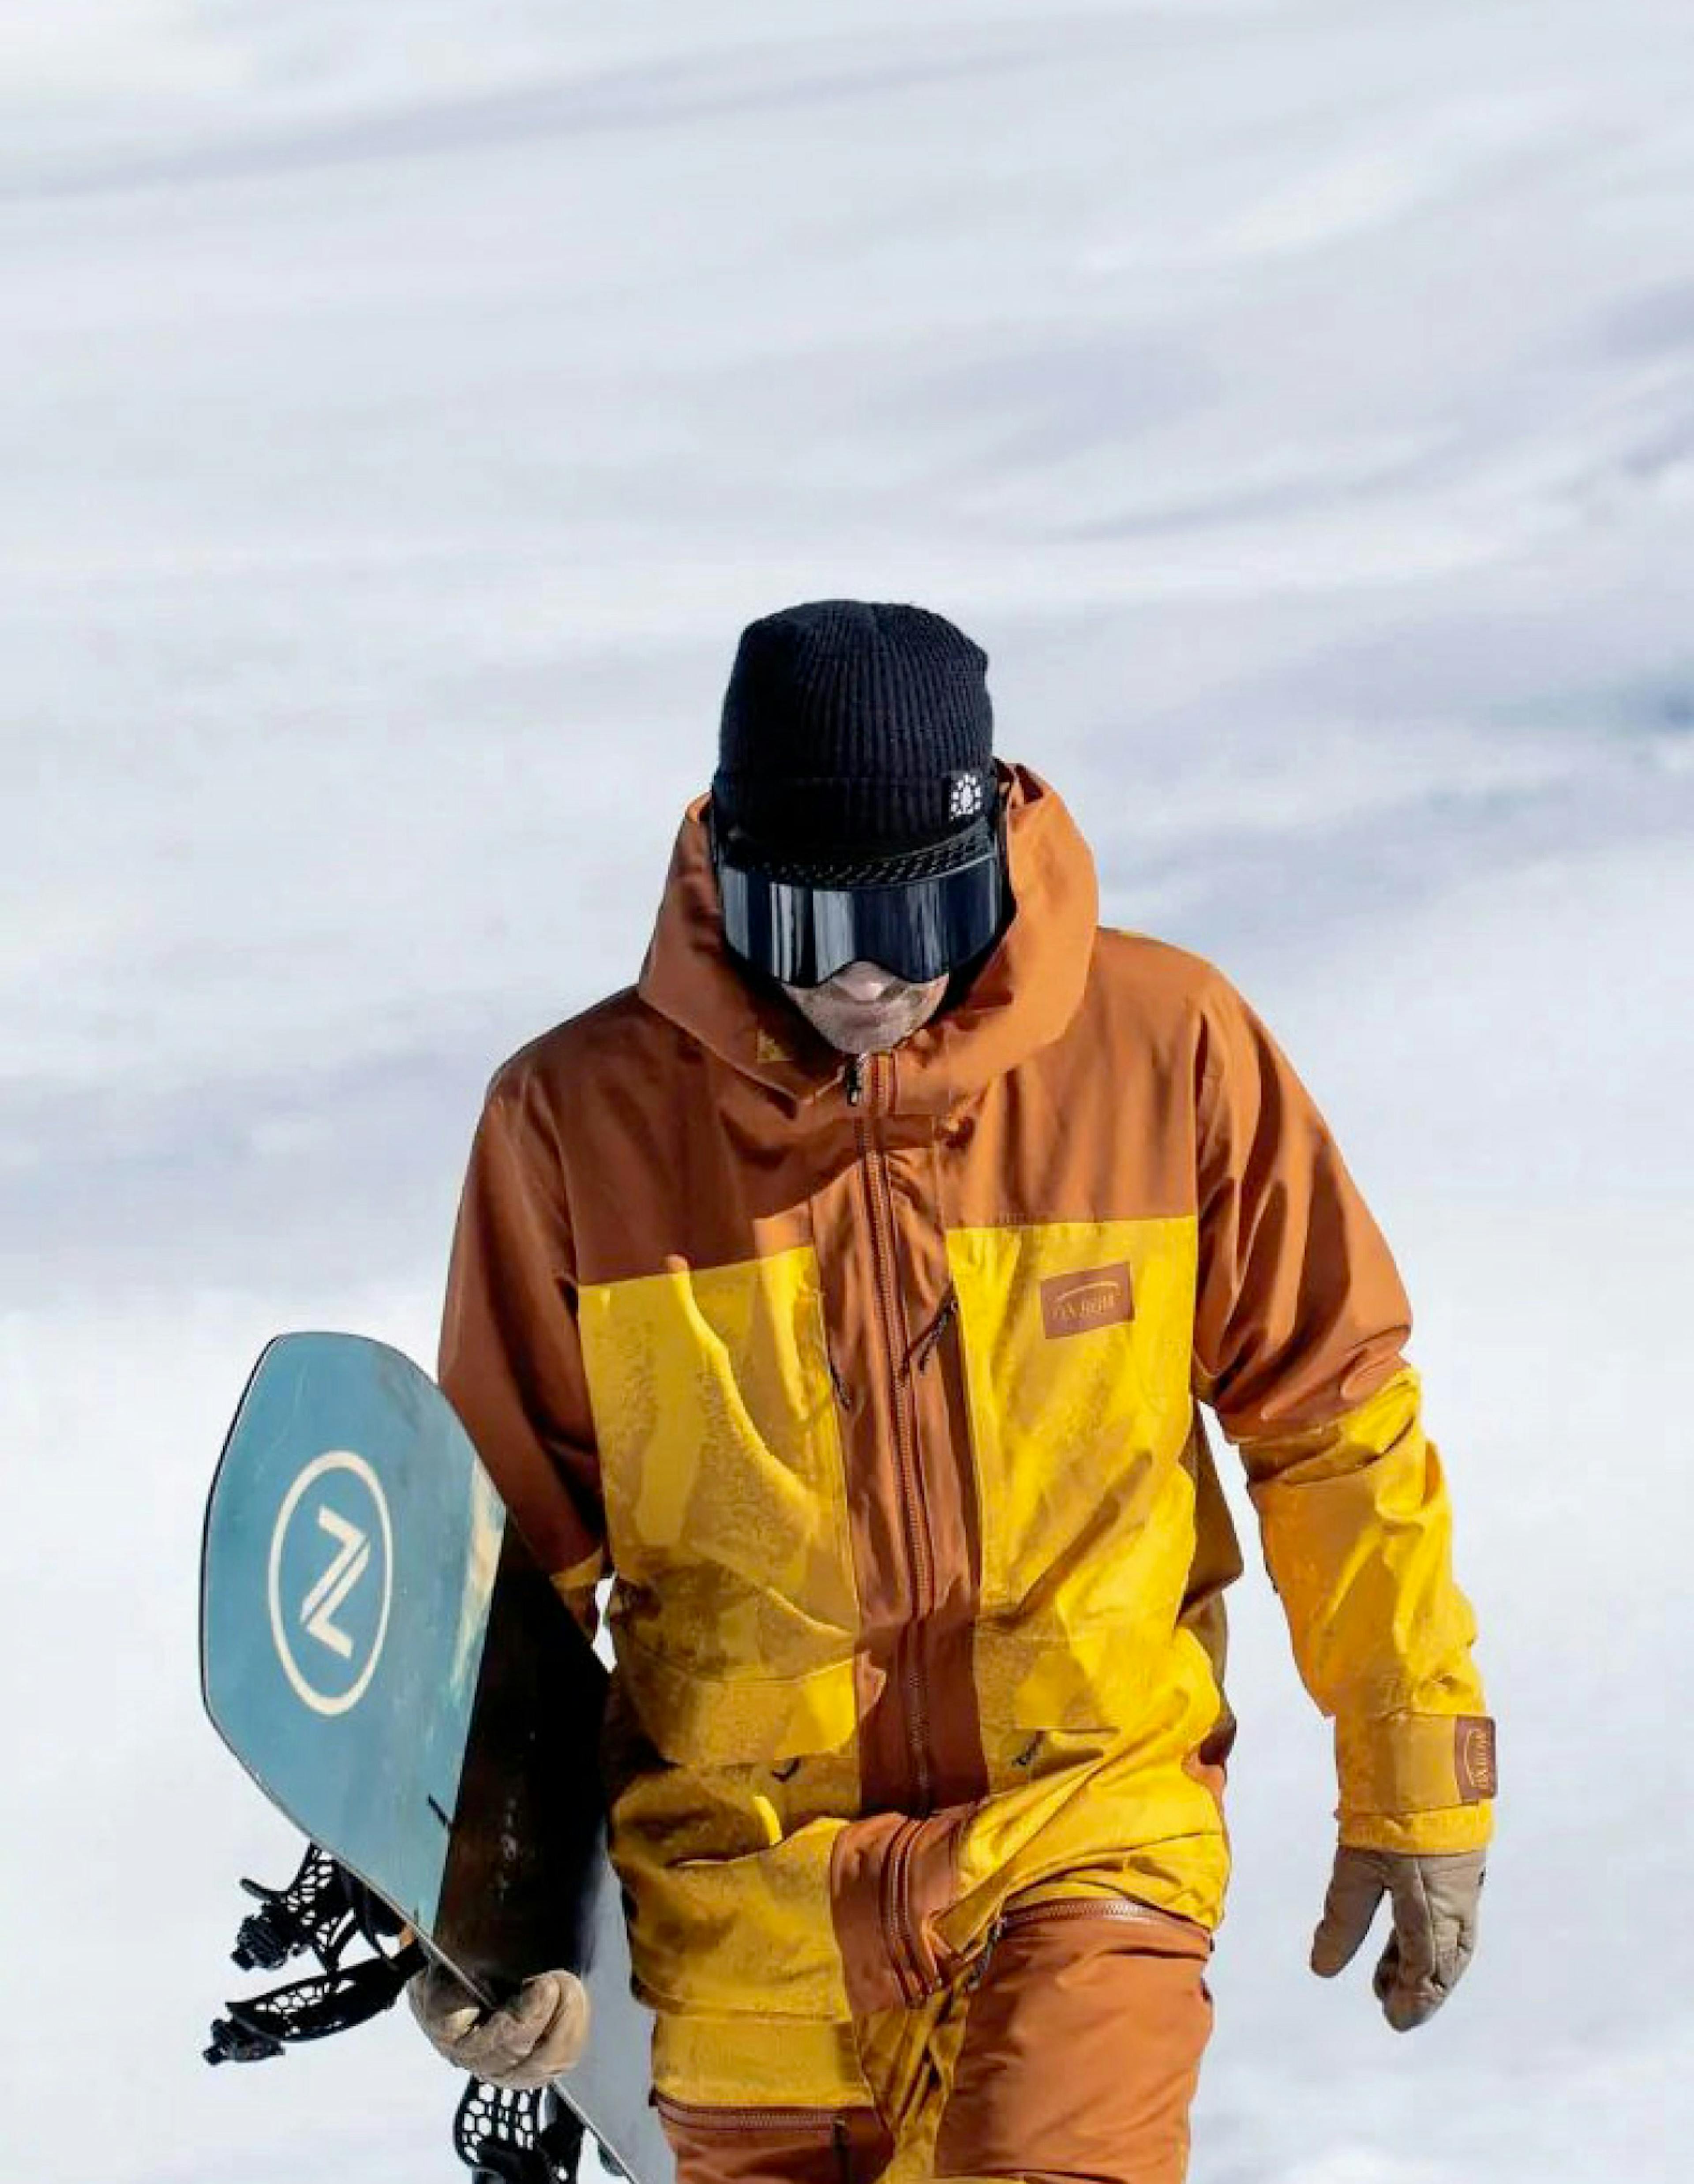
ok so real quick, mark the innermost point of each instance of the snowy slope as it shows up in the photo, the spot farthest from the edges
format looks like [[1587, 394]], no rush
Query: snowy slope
[[404, 408]]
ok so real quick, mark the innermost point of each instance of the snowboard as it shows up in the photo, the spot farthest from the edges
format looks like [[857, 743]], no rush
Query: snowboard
[[391, 1666]]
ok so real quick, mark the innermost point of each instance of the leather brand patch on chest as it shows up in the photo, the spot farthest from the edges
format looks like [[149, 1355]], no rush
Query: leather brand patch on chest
[[1072, 1304]]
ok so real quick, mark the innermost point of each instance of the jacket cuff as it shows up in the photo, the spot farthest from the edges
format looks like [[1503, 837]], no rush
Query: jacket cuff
[[1419, 1782]]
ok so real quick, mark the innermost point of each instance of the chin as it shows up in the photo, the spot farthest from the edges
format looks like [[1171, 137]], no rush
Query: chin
[[861, 1035], [861, 1031]]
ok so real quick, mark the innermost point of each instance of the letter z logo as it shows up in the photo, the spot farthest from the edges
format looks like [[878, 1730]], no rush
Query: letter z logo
[[352, 1559]]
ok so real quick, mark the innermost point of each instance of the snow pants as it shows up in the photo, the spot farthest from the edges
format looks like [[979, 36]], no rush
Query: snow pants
[[1071, 2051]]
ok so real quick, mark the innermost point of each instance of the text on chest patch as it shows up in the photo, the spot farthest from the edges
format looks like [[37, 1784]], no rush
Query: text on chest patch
[[1072, 1304]]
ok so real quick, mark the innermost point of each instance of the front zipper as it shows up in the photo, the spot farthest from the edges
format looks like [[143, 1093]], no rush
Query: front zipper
[[880, 1201]]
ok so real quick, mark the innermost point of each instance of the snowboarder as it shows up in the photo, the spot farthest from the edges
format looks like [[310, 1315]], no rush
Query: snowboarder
[[849, 1288]]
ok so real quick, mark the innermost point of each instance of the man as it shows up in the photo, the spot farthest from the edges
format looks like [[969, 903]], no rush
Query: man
[[849, 1287]]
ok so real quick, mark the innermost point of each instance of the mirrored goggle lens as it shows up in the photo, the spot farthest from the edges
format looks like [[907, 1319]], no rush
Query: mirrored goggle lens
[[917, 928]]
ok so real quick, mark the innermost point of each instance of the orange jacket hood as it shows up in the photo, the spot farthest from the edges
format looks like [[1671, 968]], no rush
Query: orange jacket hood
[[1023, 997]]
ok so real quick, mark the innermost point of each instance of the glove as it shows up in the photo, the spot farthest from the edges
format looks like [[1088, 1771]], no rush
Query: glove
[[529, 2040], [1434, 1901]]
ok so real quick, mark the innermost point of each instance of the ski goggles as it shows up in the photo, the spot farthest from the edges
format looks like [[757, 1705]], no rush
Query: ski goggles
[[944, 906]]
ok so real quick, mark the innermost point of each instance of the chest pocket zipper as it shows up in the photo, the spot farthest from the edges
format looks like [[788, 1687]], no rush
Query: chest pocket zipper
[[925, 1347]]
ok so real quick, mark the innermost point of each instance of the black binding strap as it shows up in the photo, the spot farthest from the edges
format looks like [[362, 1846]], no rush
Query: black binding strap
[[322, 1911], [506, 2138]]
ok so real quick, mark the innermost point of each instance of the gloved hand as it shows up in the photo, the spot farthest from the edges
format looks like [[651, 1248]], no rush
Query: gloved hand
[[1434, 1899], [541, 2032]]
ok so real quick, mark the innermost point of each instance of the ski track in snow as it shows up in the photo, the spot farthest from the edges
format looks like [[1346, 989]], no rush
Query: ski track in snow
[[403, 414]]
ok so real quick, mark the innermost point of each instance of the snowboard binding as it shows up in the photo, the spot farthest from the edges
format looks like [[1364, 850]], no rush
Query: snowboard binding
[[324, 1911], [506, 2138], [502, 2136]]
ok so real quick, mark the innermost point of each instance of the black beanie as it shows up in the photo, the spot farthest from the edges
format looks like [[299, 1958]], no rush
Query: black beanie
[[853, 731]]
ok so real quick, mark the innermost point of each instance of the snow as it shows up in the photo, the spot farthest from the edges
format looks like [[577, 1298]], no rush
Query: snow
[[404, 410]]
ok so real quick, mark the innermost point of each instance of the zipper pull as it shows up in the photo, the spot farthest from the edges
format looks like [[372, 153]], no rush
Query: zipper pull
[[973, 1978], [937, 1327], [853, 1077], [844, 1394]]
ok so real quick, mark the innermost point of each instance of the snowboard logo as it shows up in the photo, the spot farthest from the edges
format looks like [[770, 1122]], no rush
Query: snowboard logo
[[331, 1580]]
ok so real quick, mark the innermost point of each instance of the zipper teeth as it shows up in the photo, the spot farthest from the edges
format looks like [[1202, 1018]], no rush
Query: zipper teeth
[[1087, 1907], [879, 1198], [924, 1571], [894, 1927], [885, 1912], [1119, 1908], [908, 1844], [709, 2118]]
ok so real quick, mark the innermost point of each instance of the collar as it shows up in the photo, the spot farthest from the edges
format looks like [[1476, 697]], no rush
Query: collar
[[1022, 998]]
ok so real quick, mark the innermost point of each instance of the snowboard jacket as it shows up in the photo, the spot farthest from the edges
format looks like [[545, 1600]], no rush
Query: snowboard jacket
[[879, 1390]]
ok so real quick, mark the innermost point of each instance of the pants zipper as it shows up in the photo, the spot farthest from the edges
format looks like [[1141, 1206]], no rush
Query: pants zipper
[[711, 2117], [1077, 1907], [696, 2116]]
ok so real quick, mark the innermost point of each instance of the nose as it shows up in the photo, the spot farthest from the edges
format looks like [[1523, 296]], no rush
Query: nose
[[863, 982]]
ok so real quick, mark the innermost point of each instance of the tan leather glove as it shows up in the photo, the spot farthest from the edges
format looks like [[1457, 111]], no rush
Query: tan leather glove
[[1434, 1901], [541, 2032]]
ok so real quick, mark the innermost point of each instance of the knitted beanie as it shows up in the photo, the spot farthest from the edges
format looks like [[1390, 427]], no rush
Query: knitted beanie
[[853, 732]]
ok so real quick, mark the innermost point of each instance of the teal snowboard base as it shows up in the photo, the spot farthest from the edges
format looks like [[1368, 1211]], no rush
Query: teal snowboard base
[[386, 1660]]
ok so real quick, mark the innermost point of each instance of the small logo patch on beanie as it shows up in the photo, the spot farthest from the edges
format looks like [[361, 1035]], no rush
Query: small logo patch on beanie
[[964, 796]]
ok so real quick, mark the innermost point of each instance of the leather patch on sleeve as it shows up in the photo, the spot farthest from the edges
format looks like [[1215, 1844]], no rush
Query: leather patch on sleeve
[[1072, 1304], [1474, 1758]]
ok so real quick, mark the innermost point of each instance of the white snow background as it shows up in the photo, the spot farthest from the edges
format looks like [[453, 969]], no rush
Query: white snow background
[[402, 408]]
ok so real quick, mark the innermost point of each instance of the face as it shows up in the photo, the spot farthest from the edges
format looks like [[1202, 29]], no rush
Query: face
[[865, 1009]]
